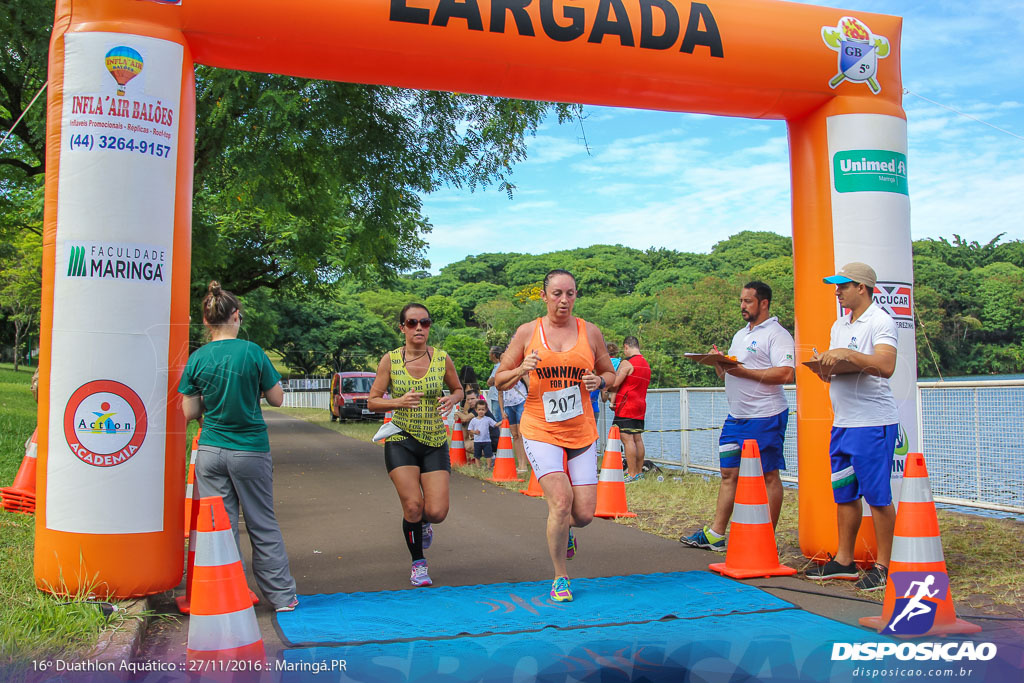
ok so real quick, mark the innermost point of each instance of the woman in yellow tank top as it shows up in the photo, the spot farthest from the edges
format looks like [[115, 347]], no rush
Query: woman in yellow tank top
[[565, 358], [417, 457]]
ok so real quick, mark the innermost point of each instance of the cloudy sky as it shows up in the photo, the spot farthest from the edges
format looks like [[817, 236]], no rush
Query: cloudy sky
[[686, 181]]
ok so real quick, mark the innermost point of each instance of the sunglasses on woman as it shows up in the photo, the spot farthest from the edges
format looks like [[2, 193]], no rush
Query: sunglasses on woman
[[411, 323]]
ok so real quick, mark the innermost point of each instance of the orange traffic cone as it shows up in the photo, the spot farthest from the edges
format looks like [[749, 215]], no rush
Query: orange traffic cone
[[611, 488], [457, 452], [505, 458], [222, 625], [751, 549], [192, 515], [533, 489], [190, 485], [20, 496], [917, 547]]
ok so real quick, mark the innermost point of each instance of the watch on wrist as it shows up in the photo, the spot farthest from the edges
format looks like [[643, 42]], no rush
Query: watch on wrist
[[603, 384]]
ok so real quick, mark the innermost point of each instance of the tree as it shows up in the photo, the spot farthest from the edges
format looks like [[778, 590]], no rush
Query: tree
[[21, 287], [296, 181], [317, 331], [466, 349]]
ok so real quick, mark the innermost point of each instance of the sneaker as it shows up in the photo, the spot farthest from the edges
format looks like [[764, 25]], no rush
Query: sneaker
[[874, 579], [419, 575], [560, 591], [833, 570], [290, 607], [701, 539], [570, 550], [428, 535]]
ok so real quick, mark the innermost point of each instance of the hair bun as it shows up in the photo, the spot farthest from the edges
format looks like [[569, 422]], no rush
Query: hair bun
[[214, 288]]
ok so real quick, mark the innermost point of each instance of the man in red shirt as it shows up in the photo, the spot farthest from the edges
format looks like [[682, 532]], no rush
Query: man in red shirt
[[632, 380]]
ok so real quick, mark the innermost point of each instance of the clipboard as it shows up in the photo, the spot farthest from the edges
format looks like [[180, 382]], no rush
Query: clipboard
[[713, 359], [843, 367]]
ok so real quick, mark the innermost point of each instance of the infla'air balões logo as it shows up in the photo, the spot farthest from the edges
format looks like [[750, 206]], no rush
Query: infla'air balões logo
[[859, 51], [105, 423], [124, 64], [918, 597]]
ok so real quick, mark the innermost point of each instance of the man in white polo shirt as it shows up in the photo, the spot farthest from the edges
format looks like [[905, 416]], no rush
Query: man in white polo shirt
[[863, 349], [757, 408]]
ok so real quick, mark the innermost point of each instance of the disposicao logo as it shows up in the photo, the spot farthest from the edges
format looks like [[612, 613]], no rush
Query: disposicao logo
[[858, 49], [870, 170]]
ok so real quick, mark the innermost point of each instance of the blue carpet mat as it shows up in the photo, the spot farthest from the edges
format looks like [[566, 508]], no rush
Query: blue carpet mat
[[790, 645], [514, 607]]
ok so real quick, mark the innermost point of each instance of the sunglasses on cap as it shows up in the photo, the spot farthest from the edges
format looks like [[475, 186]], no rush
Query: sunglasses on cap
[[411, 323]]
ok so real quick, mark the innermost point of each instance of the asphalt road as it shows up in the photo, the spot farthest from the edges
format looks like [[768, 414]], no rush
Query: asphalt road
[[342, 521]]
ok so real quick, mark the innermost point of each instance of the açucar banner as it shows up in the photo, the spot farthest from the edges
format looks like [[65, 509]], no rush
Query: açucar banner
[[871, 224], [112, 289]]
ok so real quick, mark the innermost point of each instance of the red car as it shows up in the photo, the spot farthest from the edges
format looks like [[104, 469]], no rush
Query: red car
[[349, 392]]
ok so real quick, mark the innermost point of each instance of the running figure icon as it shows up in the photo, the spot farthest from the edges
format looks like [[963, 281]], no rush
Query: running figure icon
[[916, 606]]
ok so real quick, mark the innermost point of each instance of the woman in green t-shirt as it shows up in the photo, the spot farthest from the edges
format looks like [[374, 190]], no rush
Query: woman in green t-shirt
[[417, 457], [221, 386]]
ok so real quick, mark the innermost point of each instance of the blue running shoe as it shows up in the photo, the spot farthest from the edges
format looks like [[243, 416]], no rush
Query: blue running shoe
[[570, 550], [702, 540], [428, 535], [560, 591]]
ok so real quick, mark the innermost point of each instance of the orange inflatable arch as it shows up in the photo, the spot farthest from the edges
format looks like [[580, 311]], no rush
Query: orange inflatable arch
[[120, 139]]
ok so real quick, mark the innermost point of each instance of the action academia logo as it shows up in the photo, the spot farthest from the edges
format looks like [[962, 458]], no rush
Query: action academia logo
[[859, 51], [105, 423]]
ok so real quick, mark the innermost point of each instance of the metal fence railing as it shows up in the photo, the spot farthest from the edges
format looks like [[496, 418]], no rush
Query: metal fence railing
[[971, 432]]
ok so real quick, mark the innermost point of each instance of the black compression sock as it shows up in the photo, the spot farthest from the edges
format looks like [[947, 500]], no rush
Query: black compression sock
[[413, 533]]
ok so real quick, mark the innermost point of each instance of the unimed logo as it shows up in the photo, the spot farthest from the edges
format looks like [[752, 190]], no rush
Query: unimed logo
[[920, 652], [870, 170]]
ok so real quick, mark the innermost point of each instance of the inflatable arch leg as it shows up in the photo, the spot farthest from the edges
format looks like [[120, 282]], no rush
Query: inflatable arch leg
[[840, 217], [116, 266]]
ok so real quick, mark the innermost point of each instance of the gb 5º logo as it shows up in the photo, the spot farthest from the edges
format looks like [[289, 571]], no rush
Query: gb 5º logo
[[859, 51]]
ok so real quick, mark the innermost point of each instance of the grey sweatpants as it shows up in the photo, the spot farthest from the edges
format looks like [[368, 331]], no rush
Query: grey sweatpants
[[246, 478]]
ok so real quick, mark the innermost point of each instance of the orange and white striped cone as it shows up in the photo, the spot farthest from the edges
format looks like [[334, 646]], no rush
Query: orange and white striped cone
[[222, 624], [190, 484], [505, 458], [751, 550], [917, 548], [457, 452], [533, 489], [611, 487], [184, 602], [20, 496]]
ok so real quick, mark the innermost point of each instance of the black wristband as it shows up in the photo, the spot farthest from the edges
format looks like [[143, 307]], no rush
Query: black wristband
[[603, 384]]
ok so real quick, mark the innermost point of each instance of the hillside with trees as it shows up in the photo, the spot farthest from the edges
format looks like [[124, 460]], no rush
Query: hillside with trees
[[969, 305]]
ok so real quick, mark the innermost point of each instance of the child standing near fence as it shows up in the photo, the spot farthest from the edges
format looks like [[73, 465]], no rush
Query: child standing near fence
[[480, 427]]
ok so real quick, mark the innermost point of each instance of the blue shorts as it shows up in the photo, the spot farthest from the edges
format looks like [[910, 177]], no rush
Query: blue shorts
[[769, 432], [862, 463], [515, 413]]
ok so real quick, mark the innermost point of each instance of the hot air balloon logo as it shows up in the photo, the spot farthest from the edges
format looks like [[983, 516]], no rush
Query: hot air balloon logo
[[124, 64]]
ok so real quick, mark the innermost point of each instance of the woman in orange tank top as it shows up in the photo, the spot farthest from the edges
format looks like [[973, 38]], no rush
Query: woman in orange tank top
[[564, 359]]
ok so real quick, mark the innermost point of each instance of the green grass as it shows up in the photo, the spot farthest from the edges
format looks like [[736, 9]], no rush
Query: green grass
[[33, 625]]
